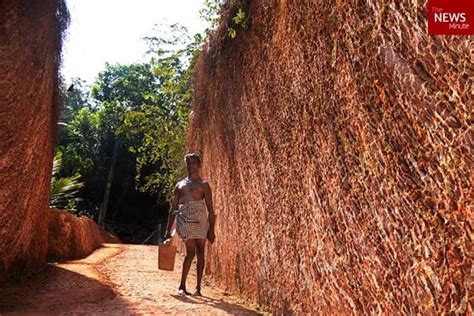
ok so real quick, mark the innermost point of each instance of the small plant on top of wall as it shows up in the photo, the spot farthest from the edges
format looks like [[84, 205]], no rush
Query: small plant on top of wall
[[239, 20]]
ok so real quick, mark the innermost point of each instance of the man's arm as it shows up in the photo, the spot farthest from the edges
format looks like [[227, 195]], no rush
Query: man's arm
[[210, 208], [173, 207]]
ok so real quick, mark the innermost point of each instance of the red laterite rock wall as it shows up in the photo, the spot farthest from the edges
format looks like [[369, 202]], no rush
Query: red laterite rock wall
[[337, 138]]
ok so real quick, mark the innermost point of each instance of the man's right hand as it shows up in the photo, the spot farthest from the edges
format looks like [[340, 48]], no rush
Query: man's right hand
[[167, 235]]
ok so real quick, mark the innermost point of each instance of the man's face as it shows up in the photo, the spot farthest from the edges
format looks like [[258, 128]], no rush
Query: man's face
[[192, 165]]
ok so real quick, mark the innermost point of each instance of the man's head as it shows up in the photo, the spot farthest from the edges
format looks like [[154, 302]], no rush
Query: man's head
[[193, 162]]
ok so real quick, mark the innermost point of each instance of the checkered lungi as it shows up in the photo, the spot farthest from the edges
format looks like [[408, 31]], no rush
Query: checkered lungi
[[191, 220]]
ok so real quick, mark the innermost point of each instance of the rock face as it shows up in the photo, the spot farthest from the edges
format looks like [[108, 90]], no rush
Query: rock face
[[30, 46], [336, 137], [72, 237], [30, 232]]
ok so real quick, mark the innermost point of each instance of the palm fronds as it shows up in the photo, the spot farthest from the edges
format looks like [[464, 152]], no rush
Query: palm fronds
[[63, 190]]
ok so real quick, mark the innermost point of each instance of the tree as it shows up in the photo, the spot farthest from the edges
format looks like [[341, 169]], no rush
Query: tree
[[79, 145], [152, 100], [78, 131], [162, 128], [134, 118], [128, 85], [75, 97]]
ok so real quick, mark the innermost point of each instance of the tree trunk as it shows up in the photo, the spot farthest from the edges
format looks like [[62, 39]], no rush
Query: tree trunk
[[103, 209]]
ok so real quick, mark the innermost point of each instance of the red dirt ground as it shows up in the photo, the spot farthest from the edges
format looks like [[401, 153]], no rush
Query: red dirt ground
[[116, 279]]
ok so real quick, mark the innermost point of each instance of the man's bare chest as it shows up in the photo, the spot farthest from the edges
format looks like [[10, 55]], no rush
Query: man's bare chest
[[194, 189]]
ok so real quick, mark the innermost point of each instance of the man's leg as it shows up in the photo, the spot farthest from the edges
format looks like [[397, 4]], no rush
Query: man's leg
[[190, 252], [200, 247]]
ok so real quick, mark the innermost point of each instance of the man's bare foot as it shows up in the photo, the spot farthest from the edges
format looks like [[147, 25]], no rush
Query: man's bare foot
[[197, 292], [182, 291]]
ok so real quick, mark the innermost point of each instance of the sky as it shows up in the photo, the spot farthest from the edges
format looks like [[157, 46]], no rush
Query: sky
[[112, 31]]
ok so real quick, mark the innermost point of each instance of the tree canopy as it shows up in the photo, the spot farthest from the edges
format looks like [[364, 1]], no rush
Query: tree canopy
[[142, 106]]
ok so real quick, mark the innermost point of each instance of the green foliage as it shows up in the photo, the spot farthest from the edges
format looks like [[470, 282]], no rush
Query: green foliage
[[159, 154], [64, 190], [211, 13], [161, 129], [239, 20], [147, 106], [80, 146], [170, 43], [73, 161], [143, 105], [78, 129], [75, 97], [231, 32], [128, 85]]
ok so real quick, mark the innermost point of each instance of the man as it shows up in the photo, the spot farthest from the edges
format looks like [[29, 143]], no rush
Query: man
[[192, 195]]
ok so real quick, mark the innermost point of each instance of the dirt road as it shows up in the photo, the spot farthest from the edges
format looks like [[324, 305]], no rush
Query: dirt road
[[115, 280]]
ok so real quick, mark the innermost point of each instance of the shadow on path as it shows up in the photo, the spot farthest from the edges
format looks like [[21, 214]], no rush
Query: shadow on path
[[58, 290], [216, 303], [116, 279]]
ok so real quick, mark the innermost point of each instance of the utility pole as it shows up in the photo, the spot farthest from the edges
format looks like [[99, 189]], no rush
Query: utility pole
[[103, 209]]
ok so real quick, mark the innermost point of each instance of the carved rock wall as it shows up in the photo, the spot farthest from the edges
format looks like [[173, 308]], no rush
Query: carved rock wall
[[30, 46], [337, 138]]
